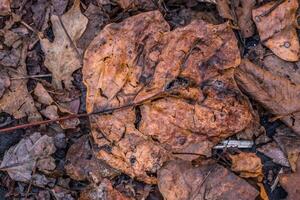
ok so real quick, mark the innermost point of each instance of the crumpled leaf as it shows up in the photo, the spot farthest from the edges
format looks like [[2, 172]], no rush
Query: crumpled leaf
[[187, 74], [103, 191], [284, 69], [62, 59], [20, 160], [276, 93], [42, 94], [289, 142], [277, 29], [273, 151], [180, 180], [83, 165], [5, 7], [16, 100], [290, 182], [248, 165]]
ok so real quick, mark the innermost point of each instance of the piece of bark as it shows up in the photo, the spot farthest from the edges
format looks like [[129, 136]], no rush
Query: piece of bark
[[289, 142], [276, 28], [247, 165], [180, 180], [177, 85], [276, 93], [291, 182]]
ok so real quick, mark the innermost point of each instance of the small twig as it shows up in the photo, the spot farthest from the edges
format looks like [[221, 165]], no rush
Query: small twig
[[32, 76], [274, 185], [72, 116]]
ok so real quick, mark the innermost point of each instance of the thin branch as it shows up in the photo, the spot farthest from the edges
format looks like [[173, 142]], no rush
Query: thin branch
[[32, 76]]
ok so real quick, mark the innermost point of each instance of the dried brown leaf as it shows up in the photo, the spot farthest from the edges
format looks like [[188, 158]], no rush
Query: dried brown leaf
[[62, 58], [248, 165], [141, 4], [16, 100], [244, 17], [42, 94], [277, 28], [21, 160], [276, 93], [4, 82], [83, 165], [103, 191], [187, 73], [289, 142], [224, 9], [273, 151], [291, 182], [180, 180]]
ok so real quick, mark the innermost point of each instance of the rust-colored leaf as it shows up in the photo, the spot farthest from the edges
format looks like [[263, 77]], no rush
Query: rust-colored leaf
[[177, 85], [279, 94], [276, 27], [248, 165], [180, 180]]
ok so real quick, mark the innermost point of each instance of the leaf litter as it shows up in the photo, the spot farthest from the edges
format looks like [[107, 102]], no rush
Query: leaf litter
[[189, 96]]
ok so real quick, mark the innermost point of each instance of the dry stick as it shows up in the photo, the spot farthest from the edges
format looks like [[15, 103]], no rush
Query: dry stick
[[72, 116], [32, 76]]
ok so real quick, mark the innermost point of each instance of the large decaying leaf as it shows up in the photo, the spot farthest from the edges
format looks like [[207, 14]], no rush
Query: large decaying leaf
[[62, 58], [180, 180], [276, 28], [279, 94], [22, 159], [177, 85]]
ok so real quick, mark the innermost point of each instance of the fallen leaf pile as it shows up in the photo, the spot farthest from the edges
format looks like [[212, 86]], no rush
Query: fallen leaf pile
[[149, 99]]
